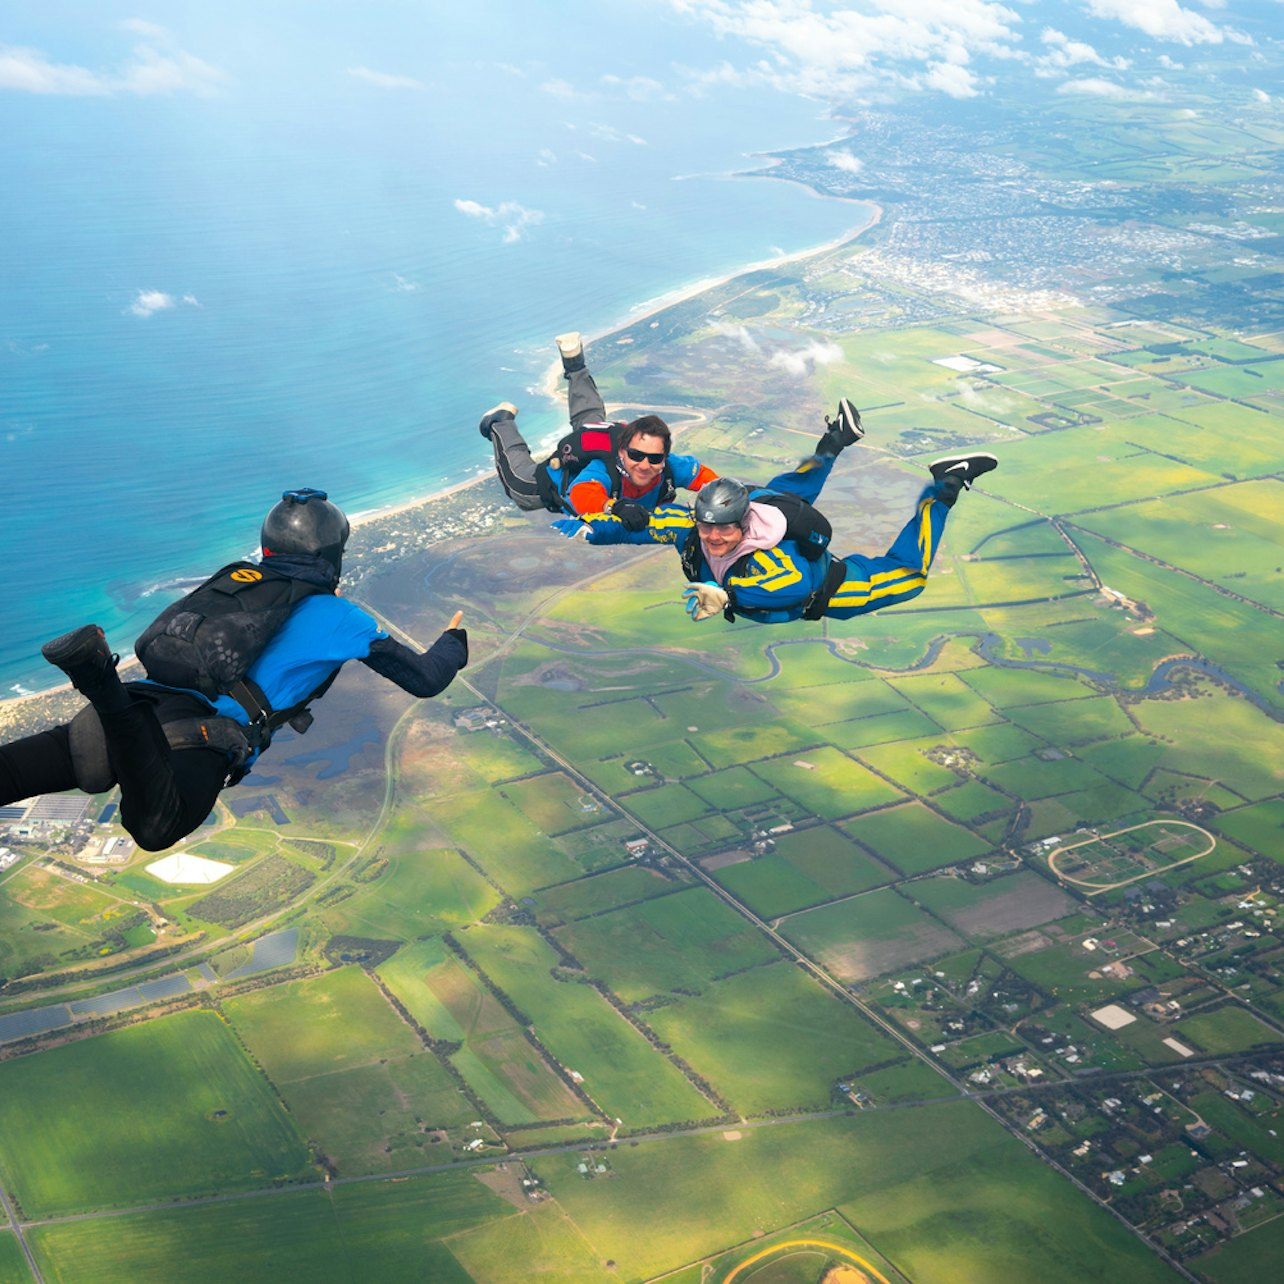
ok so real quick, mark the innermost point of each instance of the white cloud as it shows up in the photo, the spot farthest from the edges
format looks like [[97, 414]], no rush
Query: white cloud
[[638, 88], [1096, 87], [844, 160], [845, 52], [403, 286], [1261, 96], [739, 333], [149, 302], [951, 78], [609, 134], [1063, 52], [1166, 20], [385, 80], [817, 353], [546, 157], [509, 215], [156, 66], [141, 27], [559, 89]]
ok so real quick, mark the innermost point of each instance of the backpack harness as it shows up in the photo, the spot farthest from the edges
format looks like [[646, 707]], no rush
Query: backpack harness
[[579, 448], [807, 527], [207, 641]]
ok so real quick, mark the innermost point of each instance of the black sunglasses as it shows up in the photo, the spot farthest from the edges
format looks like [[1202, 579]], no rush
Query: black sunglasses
[[637, 456], [303, 494]]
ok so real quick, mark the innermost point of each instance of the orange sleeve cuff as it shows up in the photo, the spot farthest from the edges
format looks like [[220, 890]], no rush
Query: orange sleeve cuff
[[589, 497], [703, 477]]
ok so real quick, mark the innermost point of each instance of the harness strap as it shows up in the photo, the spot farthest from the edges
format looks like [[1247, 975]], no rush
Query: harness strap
[[835, 574], [217, 732]]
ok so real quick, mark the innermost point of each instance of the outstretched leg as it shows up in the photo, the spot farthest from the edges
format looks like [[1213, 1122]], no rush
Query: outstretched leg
[[807, 480], [584, 403], [518, 472], [900, 574], [39, 764], [163, 795]]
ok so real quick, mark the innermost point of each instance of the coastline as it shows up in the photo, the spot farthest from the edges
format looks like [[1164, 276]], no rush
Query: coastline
[[551, 389]]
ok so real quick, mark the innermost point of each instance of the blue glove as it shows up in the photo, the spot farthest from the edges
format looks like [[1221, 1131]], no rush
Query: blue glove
[[573, 528], [704, 600]]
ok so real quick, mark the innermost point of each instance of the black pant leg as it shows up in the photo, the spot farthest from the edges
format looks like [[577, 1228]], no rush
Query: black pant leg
[[164, 794], [39, 764]]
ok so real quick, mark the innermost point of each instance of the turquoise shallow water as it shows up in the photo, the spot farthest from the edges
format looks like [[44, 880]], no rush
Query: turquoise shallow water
[[334, 318]]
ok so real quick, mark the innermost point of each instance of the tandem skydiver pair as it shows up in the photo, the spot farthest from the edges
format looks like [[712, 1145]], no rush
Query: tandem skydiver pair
[[757, 553]]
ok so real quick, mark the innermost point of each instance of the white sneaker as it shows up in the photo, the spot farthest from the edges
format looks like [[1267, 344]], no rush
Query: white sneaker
[[570, 345]]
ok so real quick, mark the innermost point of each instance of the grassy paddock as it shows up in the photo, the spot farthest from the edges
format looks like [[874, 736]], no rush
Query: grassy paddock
[[868, 935], [134, 1116], [674, 942], [319, 1025], [771, 1039], [381, 1231], [425, 888], [915, 840], [622, 1072]]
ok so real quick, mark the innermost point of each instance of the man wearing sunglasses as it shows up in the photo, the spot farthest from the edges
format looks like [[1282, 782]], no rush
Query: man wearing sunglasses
[[625, 469], [234, 660]]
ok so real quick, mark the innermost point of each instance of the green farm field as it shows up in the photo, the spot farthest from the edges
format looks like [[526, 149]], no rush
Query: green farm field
[[500, 839], [423, 889], [599, 892], [626, 1076], [73, 1119], [868, 935], [914, 839], [497, 1060], [321, 1024], [679, 942], [384, 1231], [827, 783], [1012, 903], [13, 1265], [771, 1039]]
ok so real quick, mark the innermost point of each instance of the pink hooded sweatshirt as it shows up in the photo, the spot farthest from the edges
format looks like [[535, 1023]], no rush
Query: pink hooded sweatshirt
[[764, 527]]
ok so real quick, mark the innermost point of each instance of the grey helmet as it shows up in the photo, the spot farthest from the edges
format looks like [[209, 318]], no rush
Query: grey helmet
[[305, 522], [722, 502]]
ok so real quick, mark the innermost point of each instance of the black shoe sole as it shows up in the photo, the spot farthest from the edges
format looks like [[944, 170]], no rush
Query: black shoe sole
[[76, 647]]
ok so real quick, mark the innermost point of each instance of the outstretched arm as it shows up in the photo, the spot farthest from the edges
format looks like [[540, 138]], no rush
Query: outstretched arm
[[422, 674], [665, 526]]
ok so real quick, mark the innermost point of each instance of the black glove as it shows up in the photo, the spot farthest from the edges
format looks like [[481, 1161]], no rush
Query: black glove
[[460, 636], [633, 517]]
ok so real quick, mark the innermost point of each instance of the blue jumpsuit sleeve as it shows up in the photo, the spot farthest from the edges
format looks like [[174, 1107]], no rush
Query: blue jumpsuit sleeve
[[685, 468], [667, 525]]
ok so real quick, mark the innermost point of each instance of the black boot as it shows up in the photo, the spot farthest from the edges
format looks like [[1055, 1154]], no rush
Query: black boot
[[84, 656], [505, 410], [844, 429]]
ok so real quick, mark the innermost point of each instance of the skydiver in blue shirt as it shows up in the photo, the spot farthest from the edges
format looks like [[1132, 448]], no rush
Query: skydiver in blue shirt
[[170, 747]]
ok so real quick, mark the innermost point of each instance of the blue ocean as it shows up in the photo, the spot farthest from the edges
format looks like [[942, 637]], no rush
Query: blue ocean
[[320, 270]]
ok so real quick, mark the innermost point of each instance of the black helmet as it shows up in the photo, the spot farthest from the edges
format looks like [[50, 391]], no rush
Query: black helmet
[[306, 522], [722, 502]]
